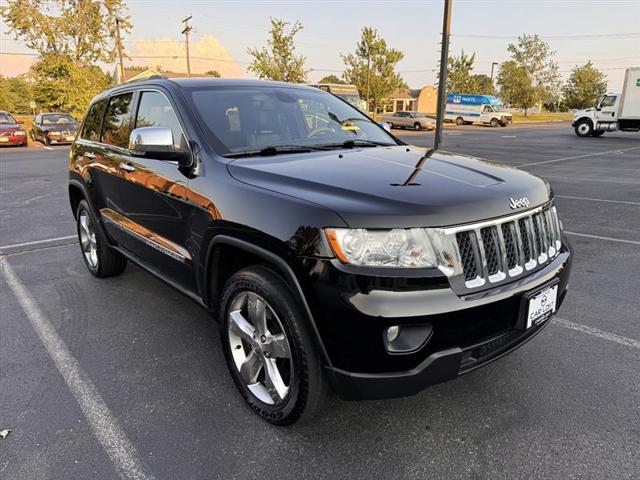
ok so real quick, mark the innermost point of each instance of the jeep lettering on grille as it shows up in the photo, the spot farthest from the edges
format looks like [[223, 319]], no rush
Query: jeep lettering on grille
[[518, 202]]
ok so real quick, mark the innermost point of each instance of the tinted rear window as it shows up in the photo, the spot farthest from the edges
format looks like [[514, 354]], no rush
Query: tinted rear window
[[118, 121], [91, 129]]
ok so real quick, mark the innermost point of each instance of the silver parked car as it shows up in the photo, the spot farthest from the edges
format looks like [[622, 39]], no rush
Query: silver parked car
[[414, 120]]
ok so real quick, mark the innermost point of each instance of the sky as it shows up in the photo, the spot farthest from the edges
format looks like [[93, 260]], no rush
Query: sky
[[606, 32]]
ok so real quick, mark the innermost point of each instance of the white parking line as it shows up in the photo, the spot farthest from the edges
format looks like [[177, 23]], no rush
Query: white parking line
[[624, 202], [48, 148], [36, 242], [508, 136], [596, 332], [599, 237], [578, 156], [105, 427]]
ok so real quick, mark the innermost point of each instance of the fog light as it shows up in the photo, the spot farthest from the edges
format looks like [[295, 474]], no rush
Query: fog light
[[392, 333], [405, 340]]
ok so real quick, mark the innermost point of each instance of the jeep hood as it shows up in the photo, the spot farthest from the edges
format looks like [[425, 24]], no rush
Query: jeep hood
[[382, 188]]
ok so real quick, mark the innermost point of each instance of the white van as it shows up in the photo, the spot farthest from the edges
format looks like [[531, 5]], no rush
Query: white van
[[484, 109]]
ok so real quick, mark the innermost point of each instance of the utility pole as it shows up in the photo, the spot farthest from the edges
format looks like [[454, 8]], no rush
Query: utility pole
[[444, 57], [368, 77], [119, 47], [185, 32]]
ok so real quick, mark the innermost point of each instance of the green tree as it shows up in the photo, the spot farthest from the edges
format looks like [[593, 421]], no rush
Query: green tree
[[482, 84], [83, 30], [278, 60], [585, 85], [459, 77], [534, 59], [332, 79], [515, 85], [371, 68], [15, 94], [59, 83]]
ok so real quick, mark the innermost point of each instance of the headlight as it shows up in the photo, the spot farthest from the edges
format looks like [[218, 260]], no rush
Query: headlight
[[53, 134], [19, 133], [400, 248]]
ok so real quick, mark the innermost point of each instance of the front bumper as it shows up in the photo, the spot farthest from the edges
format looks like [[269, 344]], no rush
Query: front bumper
[[353, 312]]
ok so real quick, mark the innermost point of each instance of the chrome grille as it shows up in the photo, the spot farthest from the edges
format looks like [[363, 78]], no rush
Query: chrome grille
[[495, 251]]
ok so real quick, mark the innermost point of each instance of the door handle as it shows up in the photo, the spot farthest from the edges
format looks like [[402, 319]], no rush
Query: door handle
[[127, 167], [89, 155]]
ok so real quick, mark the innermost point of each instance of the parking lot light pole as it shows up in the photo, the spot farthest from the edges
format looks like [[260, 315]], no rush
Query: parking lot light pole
[[444, 58]]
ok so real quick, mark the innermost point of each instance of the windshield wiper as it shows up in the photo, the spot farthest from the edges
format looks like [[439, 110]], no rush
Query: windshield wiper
[[356, 142], [272, 150]]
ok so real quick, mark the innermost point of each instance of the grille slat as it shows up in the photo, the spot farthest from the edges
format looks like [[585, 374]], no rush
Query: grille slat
[[508, 247]]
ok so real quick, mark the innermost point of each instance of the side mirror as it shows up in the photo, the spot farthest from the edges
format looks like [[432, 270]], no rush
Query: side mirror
[[385, 126], [156, 143]]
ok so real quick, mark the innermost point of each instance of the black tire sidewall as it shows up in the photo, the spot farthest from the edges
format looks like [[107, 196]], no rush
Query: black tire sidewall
[[417, 126], [459, 121], [494, 122], [584, 122], [268, 285]]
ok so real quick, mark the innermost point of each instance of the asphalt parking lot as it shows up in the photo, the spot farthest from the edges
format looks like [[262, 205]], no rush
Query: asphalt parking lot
[[566, 405]]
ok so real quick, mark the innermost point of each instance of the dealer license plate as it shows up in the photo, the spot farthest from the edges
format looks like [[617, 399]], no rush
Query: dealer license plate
[[70, 138], [542, 305], [4, 140]]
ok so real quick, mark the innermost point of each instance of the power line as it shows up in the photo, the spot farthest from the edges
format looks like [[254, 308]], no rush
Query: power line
[[551, 37]]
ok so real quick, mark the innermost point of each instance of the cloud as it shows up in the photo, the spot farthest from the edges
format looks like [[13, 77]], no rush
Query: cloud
[[207, 53], [12, 65]]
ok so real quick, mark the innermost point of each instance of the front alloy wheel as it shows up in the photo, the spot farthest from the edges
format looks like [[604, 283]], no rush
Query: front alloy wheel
[[260, 348], [269, 349]]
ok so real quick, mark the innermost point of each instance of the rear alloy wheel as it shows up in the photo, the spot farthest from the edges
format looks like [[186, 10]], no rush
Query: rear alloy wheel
[[269, 351], [417, 126], [494, 122], [459, 121], [584, 128], [100, 259]]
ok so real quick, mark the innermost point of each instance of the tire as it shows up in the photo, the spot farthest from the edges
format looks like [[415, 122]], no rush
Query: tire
[[459, 121], [504, 124], [300, 364], [101, 260], [584, 128], [597, 133], [417, 126], [45, 140], [494, 122]]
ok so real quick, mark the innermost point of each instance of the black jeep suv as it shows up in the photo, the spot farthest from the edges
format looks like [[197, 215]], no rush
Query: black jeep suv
[[332, 254]]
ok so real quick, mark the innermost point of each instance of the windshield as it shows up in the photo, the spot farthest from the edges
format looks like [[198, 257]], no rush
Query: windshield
[[57, 119], [244, 119], [6, 119]]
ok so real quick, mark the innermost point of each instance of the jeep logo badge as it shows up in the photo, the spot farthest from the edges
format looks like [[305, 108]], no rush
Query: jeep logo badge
[[518, 202]]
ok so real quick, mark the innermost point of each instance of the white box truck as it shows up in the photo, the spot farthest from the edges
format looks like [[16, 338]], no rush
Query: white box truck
[[613, 111], [464, 108]]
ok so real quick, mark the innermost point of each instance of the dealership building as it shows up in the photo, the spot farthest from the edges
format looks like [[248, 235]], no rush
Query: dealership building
[[411, 100]]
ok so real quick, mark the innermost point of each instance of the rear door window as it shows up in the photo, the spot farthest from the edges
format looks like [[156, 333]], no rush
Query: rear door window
[[93, 122], [118, 121]]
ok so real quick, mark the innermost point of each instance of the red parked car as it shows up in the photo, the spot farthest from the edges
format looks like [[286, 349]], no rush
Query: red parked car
[[11, 131]]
